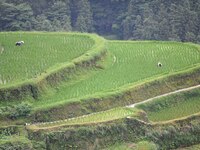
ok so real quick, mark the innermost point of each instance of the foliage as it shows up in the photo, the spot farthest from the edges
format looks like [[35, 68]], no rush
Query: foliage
[[193, 147], [145, 145], [20, 110], [84, 19], [15, 142], [166, 136], [174, 135], [104, 116], [126, 19], [142, 145]]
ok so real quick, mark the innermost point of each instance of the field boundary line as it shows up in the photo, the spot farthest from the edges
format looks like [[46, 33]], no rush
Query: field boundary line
[[164, 95]]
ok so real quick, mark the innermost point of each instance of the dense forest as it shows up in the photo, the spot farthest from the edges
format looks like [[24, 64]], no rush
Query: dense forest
[[117, 19]]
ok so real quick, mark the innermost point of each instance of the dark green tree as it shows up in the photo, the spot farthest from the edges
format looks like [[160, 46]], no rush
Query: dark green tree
[[59, 14], [66, 23], [138, 32], [84, 22], [15, 17], [162, 18], [43, 24]]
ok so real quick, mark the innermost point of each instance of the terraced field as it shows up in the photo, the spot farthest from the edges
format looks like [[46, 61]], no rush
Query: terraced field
[[40, 52], [176, 105], [122, 66], [172, 107], [129, 63]]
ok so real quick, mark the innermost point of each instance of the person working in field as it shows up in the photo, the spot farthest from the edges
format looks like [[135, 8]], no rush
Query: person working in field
[[159, 64], [19, 43]]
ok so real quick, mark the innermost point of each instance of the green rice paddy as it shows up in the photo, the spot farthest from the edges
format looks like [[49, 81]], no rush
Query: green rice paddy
[[40, 52], [127, 63], [173, 107]]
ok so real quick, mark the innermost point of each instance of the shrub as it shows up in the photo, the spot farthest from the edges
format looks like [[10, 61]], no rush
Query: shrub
[[20, 110]]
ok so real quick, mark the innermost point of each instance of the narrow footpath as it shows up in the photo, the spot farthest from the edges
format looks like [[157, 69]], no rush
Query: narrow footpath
[[164, 95]]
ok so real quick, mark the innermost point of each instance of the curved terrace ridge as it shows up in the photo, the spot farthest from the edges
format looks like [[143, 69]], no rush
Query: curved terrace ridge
[[57, 72]]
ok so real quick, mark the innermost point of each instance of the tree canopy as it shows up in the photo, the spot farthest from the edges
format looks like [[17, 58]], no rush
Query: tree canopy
[[126, 19]]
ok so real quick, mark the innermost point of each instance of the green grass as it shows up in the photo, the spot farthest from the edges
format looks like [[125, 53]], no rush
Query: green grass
[[173, 107], [40, 52], [99, 117], [128, 63]]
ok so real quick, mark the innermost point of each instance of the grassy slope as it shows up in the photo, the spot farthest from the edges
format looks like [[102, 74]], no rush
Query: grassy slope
[[129, 63], [174, 106], [40, 52]]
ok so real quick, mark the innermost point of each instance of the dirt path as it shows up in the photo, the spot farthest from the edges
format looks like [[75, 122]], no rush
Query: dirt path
[[167, 94]]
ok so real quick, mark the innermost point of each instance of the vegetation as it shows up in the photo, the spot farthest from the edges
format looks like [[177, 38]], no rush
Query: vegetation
[[69, 90], [173, 107], [194, 147], [40, 52], [143, 145], [20, 110], [130, 19], [169, 135], [15, 142], [123, 57], [105, 116], [117, 68]]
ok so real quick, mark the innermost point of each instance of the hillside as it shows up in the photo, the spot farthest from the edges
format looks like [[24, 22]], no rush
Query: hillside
[[75, 91]]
